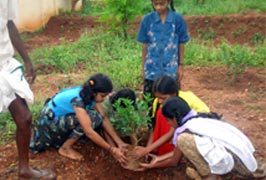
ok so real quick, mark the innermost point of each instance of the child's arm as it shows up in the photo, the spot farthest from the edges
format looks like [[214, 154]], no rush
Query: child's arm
[[169, 159], [142, 151], [86, 125], [149, 142], [109, 128], [166, 137], [156, 159]]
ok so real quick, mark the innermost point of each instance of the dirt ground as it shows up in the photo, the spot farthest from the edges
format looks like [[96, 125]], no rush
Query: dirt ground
[[242, 103]]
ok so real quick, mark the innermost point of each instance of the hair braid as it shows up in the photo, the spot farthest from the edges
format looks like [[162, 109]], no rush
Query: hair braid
[[172, 6]]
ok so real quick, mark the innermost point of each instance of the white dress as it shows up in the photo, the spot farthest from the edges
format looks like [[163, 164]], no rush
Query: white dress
[[213, 137], [12, 80]]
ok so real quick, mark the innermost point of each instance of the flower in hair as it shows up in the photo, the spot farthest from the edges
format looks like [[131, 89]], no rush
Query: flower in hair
[[91, 82]]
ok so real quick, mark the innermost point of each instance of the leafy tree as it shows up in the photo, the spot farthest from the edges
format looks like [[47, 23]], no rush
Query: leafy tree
[[118, 14]]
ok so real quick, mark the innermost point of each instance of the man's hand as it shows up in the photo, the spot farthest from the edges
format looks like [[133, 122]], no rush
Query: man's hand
[[30, 73], [19, 46]]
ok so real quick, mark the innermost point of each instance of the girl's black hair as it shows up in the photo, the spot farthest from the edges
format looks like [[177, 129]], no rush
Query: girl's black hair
[[176, 107], [124, 93], [165, 84], [171, 2], [97, 83]]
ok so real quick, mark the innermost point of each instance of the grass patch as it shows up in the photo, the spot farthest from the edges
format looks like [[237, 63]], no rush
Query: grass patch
[[8, 126], [191, 7], [218, 7]]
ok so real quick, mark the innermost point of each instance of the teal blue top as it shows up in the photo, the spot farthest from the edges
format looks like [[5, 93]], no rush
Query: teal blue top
[[64, 101]]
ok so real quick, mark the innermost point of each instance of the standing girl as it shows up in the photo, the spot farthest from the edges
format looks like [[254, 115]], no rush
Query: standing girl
[[163, 34], [70, 114]]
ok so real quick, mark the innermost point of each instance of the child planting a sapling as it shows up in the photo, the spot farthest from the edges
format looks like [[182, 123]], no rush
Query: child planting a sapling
[[131, 120], [110, 109]]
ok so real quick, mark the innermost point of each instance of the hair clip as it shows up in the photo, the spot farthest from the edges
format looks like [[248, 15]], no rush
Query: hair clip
[[91, 82]]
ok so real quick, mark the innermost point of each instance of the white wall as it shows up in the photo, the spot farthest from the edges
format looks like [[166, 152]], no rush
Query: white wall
[[34, 14]]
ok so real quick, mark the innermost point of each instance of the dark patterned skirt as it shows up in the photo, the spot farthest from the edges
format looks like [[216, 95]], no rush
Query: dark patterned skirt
[[51, 132]]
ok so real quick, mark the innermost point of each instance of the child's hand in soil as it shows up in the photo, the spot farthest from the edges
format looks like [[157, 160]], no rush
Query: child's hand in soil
[[144, 166], [123, 146], [154, 159], [138, 152], [118, 155]]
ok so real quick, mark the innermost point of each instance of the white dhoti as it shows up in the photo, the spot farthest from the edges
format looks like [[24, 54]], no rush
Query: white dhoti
[[13, 82]]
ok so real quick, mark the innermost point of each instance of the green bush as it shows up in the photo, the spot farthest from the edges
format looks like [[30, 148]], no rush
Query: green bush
[[132, 121], [235, 58]]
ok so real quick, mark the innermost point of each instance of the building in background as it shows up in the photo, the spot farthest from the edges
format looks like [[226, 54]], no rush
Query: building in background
[[34, 14]]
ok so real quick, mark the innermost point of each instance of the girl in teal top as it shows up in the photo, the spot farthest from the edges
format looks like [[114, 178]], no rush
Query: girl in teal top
[[72, 113]]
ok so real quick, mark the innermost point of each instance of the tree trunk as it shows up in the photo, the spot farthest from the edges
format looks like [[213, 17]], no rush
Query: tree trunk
[[134, 139]]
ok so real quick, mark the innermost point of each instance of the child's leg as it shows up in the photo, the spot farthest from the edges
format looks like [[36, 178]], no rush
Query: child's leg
[[67, 150], [187, 145]]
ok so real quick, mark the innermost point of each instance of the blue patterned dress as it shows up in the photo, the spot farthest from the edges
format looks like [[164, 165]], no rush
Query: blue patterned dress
[[162, 41]]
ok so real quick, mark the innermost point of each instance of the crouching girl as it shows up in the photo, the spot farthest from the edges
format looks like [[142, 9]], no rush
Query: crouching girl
[[213, 147], [73, 112]]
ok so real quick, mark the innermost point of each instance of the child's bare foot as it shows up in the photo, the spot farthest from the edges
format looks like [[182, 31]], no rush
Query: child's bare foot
[[193, 174], [70, 153]]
